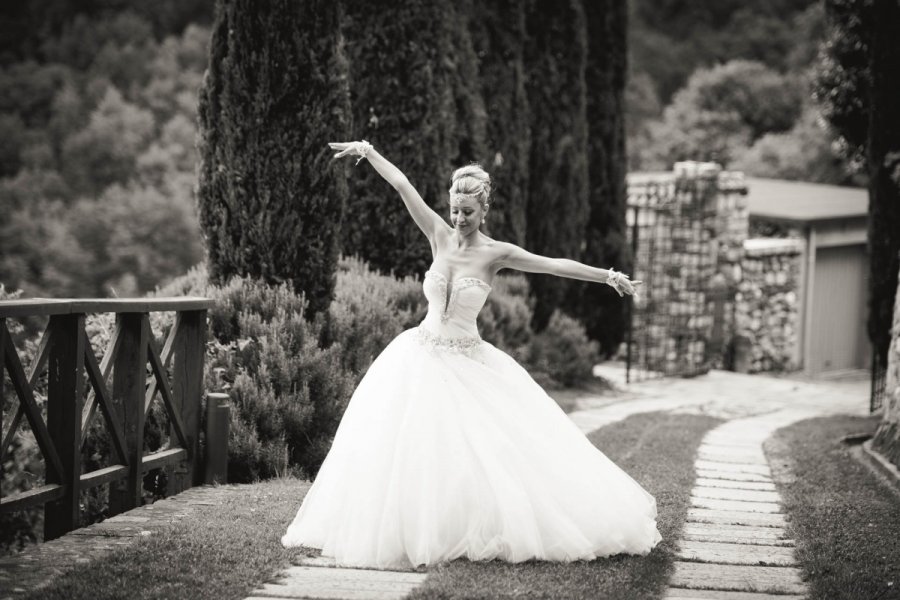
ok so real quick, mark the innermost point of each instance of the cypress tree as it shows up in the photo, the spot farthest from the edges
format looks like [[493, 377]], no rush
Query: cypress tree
[[858, 87], [883, 153], [557, 208], [498, 32], [415, 98], [270, 200], [599, 307], [883, 162]]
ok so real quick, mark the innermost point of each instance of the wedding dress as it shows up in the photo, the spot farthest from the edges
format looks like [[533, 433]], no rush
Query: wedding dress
[[448, 448]]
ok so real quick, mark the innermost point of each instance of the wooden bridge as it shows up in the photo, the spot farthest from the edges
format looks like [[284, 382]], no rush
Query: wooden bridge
[[77, 386]]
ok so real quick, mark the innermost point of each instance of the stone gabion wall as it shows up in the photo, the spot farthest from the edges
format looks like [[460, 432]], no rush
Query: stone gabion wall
[[767, 305], [690, 226]]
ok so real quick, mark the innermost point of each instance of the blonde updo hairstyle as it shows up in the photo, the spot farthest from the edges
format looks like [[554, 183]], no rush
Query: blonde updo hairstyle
[[472, 181]]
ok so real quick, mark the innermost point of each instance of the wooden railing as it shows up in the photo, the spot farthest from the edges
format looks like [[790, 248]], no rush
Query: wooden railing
[[176, 375]]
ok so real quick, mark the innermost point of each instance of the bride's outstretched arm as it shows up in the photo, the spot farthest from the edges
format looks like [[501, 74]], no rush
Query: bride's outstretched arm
[[514, 257], [424, 216]]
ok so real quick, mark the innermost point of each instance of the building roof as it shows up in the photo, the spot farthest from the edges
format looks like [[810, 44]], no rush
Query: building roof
[[804, 202]]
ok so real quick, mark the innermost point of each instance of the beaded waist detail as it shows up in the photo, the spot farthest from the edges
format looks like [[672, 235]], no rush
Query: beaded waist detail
[[463, 345]]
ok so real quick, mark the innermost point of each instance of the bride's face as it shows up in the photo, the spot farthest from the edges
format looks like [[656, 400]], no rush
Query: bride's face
[[466, 214]]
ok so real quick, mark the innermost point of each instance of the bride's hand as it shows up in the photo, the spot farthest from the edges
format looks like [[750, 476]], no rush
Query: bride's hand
[[628, 286], [353, 148], [623, 285]]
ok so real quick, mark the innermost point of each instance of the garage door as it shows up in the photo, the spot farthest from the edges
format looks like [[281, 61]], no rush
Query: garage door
[[838, 333]]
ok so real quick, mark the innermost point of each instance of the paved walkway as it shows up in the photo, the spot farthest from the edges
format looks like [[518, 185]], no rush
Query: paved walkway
[[734, 545]]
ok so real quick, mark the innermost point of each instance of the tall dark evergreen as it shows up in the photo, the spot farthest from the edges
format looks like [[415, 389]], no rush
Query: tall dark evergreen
[[883, 162], [271, 200], [599, 307], [498, 32], [555, 58], [883, 153], [415, 97], [858, 84]]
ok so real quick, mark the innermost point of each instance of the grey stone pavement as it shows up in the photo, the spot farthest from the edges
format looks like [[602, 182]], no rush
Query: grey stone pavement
[[734, 545]]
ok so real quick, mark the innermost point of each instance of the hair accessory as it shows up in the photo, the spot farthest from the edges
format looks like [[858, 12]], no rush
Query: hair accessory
[[462, 195]]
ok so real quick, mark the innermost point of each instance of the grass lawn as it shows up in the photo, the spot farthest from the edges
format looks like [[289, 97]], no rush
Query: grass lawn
[[845, 521], [228, 550], [217, 552]]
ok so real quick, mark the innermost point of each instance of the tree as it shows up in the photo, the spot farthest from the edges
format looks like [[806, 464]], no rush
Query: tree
[[805, 153], [105, 151], [884, 195], [722, 110], [555, 59], [271, 200], [858, 85], [415, 96], [599, 307], [498, 32]]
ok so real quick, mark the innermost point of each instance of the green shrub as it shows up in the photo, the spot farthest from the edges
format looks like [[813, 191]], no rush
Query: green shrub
[[563, 354], [505, 320], [288, 393], [369, 310]]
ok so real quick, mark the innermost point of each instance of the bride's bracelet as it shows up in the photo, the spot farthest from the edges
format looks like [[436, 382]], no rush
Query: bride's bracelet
[[362, 148], [614, 278]]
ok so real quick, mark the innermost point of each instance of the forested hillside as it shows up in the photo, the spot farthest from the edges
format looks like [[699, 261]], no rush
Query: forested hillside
[[98, 107], [98, 123], [732, 82]]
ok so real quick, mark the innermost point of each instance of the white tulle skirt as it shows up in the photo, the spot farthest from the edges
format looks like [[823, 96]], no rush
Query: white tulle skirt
[[447, 453]]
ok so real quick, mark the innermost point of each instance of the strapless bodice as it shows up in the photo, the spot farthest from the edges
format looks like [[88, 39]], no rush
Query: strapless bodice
[[453, 307]]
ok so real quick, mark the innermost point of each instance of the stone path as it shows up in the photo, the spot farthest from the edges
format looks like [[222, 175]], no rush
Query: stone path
[[321, 579], [735, 543]]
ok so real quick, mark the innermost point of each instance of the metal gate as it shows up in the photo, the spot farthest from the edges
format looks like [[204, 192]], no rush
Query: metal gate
[[879, 382]]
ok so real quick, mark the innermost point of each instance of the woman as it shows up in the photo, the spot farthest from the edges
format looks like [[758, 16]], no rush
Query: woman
[[448, 448]]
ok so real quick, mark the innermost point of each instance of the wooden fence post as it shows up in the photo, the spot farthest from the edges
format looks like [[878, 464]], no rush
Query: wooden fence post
[[218, 417], [64, 398], [187, 383], [129, 383]]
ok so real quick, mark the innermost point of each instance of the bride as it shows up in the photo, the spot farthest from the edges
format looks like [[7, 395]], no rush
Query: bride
[[448, 448]]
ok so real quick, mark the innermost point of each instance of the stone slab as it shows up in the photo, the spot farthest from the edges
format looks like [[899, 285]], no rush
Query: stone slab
[[736, 494], [763, 486], [737, 505], [735, 517], [125, 518], [329, 563], [736, 554], [732, 475], [686, 594], [740, 461], [726, 454], [731, 441], [732, 467], [736, 534], [742, 578], [340, 582], [350, 574]]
